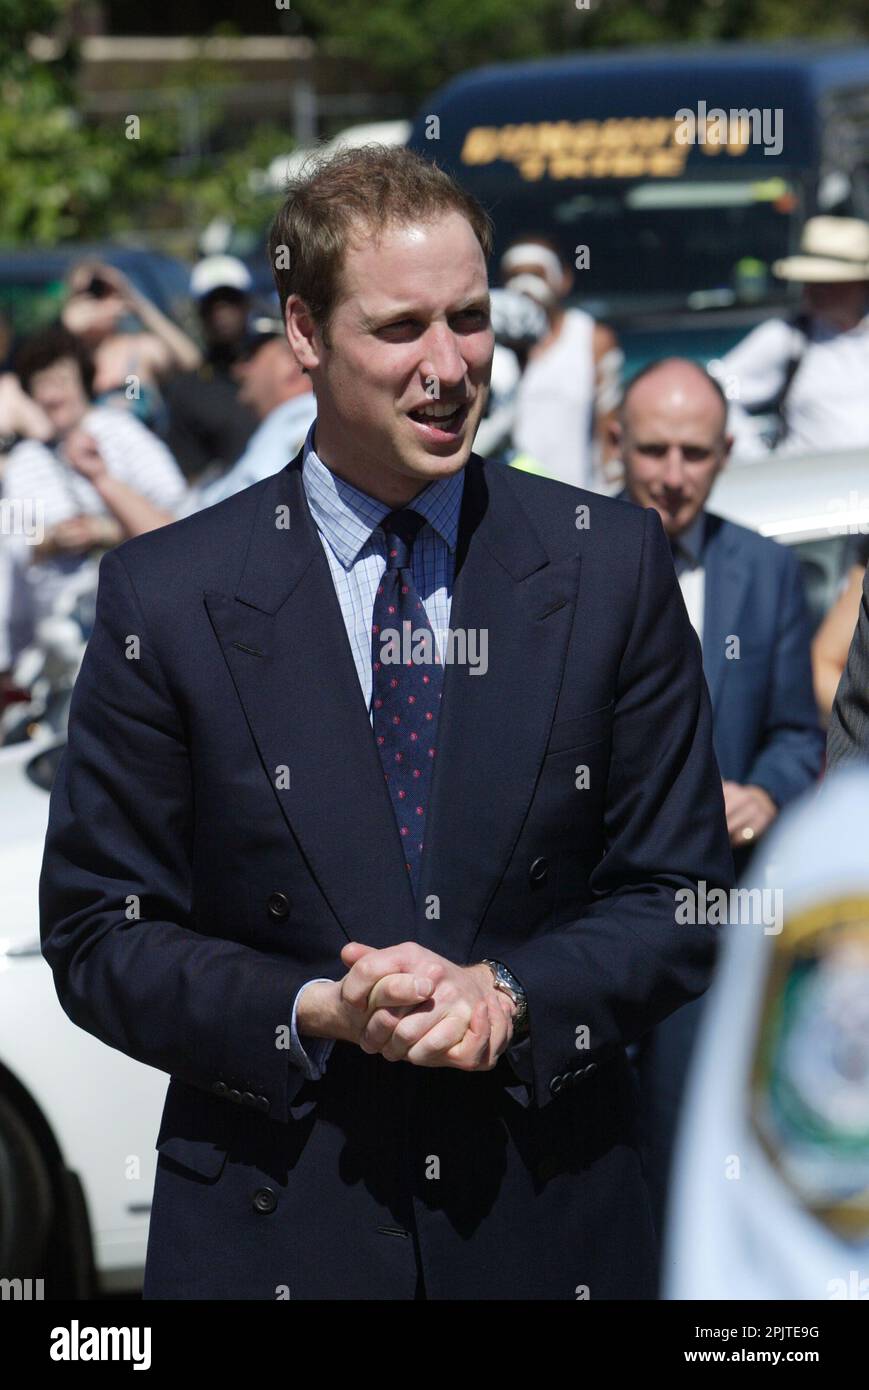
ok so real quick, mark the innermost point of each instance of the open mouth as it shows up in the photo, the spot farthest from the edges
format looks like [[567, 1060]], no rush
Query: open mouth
[[440, 421]]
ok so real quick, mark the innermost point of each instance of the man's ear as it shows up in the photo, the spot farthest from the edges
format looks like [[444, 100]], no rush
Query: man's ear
[[614, 436], [725, 453], [302, 335]]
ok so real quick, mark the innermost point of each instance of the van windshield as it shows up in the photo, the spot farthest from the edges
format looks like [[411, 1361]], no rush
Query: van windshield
[[690, 243]]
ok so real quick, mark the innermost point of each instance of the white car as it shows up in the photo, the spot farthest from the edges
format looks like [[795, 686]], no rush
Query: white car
[[817, 503], [78, 1120]]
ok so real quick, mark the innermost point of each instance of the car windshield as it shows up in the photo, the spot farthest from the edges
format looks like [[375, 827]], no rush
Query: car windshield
[[688, 243]]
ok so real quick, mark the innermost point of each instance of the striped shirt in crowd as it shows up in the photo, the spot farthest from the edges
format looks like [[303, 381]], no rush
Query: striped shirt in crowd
[[49, 490]]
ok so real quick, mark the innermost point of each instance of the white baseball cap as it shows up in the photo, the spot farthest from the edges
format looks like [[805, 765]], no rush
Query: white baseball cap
[[218, 273]]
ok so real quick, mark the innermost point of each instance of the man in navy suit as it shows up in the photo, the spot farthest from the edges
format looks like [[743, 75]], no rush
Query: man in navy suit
[[383, 777], [744, 596]]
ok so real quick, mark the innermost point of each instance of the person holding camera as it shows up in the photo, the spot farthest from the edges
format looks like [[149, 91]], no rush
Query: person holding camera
[[100, 478], [129, 367]]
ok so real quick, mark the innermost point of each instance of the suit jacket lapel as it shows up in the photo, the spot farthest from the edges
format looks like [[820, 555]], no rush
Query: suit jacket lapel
[[726, 589], [283, 637], [493, 727]]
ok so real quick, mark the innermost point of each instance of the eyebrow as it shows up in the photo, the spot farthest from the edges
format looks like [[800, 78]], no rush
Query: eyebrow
[[410, 311], [654, 443]]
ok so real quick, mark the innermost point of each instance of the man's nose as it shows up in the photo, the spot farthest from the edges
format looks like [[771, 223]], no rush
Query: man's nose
[[674, 468], [443, 357]]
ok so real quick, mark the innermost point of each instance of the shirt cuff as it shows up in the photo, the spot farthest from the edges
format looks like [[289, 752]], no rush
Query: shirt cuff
[[309, 1054]]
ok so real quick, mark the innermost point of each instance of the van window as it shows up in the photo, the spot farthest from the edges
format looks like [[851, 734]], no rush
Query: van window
[[692, 243]]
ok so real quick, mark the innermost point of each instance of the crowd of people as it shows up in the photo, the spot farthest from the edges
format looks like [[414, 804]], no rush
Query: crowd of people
[[107, 433], [113, 420]]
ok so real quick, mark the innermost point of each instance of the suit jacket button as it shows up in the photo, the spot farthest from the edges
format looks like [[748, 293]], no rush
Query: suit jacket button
[[248, 1098], [556, 1085], [538, 871], [220, 1088], [235, 1095], [262, 1102], [591, 1069], [278, 906], [264, 1200]]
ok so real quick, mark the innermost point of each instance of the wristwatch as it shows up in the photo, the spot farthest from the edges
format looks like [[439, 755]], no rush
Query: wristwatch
[[511, 986]]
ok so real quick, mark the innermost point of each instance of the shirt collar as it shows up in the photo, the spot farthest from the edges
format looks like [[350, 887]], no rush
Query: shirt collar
[[347, 516]]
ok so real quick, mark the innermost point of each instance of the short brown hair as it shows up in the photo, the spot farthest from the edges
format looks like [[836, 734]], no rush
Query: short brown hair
[[47, 346], [333, 199]]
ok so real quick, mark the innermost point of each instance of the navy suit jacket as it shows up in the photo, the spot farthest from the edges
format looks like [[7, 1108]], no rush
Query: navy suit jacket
[[220, 827], [765, 720]]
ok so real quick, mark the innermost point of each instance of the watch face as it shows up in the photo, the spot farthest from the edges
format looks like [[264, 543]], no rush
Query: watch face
[[506, 978], [513, 987]]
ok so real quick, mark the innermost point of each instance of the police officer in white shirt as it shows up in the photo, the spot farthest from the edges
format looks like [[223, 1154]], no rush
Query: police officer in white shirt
[[768, 1194], [809, 374]]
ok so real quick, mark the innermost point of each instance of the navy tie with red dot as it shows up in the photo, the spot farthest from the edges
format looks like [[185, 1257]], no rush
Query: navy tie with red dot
[[407, 681]]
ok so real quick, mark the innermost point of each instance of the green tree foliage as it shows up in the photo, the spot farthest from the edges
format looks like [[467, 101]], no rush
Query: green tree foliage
[[414, 45], [62, 176], [19, 19]]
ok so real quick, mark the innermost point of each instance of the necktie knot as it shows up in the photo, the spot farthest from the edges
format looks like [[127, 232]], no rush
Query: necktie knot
[[401, 529]]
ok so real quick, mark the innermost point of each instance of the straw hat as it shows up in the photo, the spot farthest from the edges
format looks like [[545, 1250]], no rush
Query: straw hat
[[832, 249]]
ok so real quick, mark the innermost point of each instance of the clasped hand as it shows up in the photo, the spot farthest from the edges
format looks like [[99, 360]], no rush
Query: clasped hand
[[411, 1005]]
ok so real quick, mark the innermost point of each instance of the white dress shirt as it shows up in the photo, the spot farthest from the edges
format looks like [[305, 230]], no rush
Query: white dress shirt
[[687, 551]]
